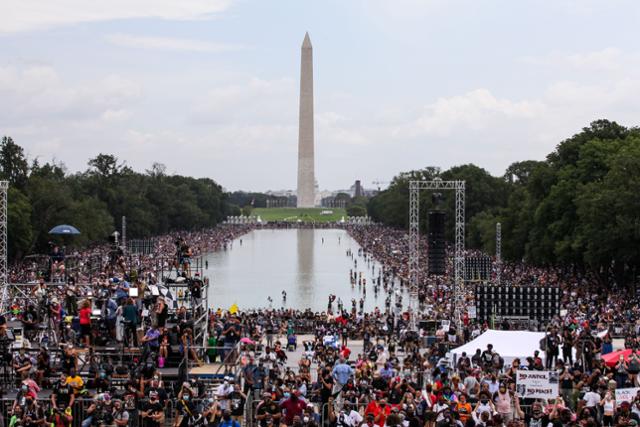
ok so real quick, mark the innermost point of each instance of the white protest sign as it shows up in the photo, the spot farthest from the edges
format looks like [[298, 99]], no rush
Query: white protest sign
[[537, 384], [626, 394]]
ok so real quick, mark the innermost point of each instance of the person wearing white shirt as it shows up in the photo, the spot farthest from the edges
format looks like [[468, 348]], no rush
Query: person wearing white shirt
[[222, 393], [591, 399], [355, 419]]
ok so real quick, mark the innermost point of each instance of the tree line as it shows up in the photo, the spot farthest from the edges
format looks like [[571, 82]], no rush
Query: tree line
[[578, 209], [42, 196]]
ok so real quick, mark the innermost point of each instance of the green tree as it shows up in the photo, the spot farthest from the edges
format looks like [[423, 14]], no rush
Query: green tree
[[19, 226], [13, 163]]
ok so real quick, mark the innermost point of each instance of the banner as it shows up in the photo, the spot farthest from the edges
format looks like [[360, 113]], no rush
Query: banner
[[626, 394], [537, 384]]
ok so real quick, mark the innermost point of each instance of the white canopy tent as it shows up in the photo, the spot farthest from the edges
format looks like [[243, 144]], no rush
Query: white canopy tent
[[508, 344]]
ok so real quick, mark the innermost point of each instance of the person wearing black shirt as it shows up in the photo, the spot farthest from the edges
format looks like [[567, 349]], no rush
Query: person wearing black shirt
[[537, 417], [552, 346], [566, 385], [22, 364], [567, 347], [153, 412], [155, 385], [62, 395], [624, 416], [33, 414], [30, 321], [186, 411], [130, 398], [237, 400], [267, 408], [487, 357]]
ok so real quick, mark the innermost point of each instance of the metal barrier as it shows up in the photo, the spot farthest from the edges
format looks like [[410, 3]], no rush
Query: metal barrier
[[80, 410]]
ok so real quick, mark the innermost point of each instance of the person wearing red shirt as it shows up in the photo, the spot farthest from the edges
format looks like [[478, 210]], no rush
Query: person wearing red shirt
[[293, 406], [85, 322], [379, 411], [345, 352]]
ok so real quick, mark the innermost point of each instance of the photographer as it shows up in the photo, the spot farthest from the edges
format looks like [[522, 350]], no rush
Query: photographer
[[60, 417], [211, 414], [100, 412], [33, 413]]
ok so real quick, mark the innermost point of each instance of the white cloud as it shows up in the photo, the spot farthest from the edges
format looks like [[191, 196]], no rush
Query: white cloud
[[253, 100], [169, 43], [475, 110], [115, 115], [39, 93], [29, 15], [610, 58]]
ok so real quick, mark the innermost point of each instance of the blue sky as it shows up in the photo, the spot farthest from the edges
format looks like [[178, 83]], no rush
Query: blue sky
[[210, 87]]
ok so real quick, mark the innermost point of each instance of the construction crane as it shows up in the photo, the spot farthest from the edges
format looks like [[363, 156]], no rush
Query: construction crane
[[379, 183]]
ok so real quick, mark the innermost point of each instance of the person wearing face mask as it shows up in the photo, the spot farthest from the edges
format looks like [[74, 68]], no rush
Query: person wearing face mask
[[153, 412], [293, 406], [504, 403], [484, 405], [267, 409], [223, 392], [309, 417], [186, 412], [62, 394], [155, 385], [120, 415], [76, 382]]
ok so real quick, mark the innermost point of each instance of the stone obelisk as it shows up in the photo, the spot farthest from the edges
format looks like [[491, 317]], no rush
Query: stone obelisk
[[306, 167]]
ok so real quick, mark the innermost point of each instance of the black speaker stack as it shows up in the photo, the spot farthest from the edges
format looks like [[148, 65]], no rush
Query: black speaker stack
[[533, 302], [477, 268], [436, 253]]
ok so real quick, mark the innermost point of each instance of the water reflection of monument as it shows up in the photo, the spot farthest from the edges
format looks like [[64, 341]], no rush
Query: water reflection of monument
[[304, 288]]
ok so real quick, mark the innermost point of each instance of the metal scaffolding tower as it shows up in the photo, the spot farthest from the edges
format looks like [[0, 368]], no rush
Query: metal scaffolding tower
[[4, 285], [414, 239], [498, 252]]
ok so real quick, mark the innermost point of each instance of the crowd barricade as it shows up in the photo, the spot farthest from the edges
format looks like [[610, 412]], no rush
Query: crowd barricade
[[81, 406]]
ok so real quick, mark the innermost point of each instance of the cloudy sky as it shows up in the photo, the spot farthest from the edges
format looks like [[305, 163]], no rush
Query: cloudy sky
[[210, 87]]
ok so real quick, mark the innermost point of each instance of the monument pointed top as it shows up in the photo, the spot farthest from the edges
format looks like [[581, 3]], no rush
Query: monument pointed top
[[306, 43]]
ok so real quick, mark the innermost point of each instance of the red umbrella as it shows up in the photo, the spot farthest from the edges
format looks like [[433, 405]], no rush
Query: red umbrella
[[611, 359]]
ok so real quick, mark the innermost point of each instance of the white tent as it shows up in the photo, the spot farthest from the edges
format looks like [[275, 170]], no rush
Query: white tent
[[508, 344]]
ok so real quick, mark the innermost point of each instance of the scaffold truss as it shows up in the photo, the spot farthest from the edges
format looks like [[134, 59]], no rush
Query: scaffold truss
[[414, 238], [4, 290], [498, 252]]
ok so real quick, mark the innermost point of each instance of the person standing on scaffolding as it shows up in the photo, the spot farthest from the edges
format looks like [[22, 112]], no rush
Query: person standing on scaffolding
[[184, 254]]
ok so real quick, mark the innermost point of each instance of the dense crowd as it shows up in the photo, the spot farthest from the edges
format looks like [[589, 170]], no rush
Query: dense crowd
[[343, 367]]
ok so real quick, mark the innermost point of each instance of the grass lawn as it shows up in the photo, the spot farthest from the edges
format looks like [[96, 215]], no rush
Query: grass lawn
[[304, 214]]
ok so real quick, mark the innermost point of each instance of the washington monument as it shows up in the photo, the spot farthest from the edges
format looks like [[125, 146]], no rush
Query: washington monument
[[306, 167]]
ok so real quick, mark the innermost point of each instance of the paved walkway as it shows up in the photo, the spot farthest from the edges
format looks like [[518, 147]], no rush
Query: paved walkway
[[294, 357]]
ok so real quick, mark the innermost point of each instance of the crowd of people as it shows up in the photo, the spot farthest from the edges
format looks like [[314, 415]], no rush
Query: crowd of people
[[343, 367]]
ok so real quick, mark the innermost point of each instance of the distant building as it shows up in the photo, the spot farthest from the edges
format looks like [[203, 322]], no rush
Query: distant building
[[358, 191]]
